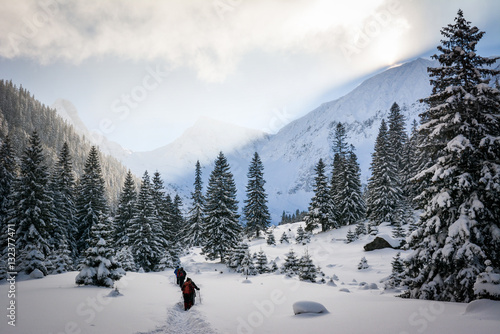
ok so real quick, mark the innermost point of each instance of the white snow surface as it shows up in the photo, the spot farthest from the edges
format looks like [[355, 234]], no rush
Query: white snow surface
[[151, 303]]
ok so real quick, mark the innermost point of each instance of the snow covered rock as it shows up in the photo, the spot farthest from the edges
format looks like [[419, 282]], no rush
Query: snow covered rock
[[383, 241], [308, 307], [37, 274]]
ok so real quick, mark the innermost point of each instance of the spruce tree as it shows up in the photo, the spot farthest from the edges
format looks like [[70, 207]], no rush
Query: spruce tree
[[99, 266], [351, 206], [222, 229], [319, 207], [410, 166], [91, 200], [8, 174], [351, 236], [125, 211], [271, 241], [459, 229], [307, 269], [384, 192], [63, 188], [247, 265], [397, 137], [196, 217], [396, 276], [291, 265], [261, 263], [235, 256], [255, 211], [144, 234], [31, 210], [284, 238]]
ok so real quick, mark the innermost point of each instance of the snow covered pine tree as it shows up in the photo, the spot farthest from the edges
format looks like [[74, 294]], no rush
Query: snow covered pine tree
[[459, 229]]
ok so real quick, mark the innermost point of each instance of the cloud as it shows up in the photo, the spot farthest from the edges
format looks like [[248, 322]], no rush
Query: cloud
[[208, 36]]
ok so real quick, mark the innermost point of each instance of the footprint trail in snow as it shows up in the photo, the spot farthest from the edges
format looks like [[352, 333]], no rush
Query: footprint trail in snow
[[183, 322]]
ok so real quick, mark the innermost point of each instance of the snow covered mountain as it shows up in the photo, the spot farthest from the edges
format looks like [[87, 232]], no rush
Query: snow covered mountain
[[69, 113], [290, 155]]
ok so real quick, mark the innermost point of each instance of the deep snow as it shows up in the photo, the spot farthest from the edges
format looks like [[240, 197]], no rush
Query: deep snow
[[151, 302]]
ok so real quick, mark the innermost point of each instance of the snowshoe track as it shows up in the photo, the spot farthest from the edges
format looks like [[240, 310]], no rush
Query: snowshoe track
[[183, 322]]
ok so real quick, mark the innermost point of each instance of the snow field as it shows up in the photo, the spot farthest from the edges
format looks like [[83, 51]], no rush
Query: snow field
[[151, 302]]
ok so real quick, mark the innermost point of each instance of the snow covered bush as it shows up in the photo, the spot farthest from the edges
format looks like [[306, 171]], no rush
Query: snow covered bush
[[488, 283], [363, 264]]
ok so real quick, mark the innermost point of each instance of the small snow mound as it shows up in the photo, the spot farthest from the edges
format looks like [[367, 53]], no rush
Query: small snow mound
[[344, 290], [308, 307], [37, 274], [246, 281], [331, 283], [114, 293], [484, 309]]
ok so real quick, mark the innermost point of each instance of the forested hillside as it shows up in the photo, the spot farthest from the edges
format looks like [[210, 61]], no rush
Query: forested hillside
[[21, 114]]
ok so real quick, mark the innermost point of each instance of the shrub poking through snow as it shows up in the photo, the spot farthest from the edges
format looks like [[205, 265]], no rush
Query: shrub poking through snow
[[363, 264]]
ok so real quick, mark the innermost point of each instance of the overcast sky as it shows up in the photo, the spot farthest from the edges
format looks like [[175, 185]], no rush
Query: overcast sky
[[143, 71]]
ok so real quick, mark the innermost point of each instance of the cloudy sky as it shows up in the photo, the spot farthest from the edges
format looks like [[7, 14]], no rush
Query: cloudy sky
[[141, 72]]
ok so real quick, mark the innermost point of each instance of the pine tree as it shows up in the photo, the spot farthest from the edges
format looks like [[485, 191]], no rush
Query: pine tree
[[459, 228], [261, 264], [363, 264], [222, 229], [396, 135], [126, 259], [271, 241], [8, 175], [144, 233], [396, 276], [360, 229], [291, 265], [196, 217], [91, 200], [319, 207], [247, 265], [307, 269], [125, 211], [398, 231], [410, 166], [339, 149], [99, 267], [31, 210], [351, 236], [284, 238], [255, 211], [235, 256], [178, 221], [384, 192], [351, 205], [302, 236], [168, 231], [63, 186]]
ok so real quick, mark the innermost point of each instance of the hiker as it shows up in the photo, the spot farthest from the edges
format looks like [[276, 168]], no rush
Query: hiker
[[181, 275], [194, 291], [188, 293]]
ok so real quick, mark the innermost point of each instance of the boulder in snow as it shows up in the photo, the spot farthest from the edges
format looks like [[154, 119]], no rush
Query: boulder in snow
[[384, 241], [308, 307], [37, 274]]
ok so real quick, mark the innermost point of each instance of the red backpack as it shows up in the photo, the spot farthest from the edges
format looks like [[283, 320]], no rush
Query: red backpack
[[187, 288]]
